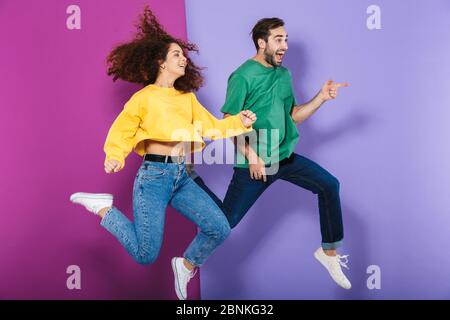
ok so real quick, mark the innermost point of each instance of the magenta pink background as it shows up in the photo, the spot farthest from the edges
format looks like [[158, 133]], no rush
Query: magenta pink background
[[57, 106]]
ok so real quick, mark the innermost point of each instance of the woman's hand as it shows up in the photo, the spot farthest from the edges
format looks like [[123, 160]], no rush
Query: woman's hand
[[113, 166], [247, 118]]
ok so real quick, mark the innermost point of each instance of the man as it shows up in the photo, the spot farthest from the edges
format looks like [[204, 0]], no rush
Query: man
[[263, 86]]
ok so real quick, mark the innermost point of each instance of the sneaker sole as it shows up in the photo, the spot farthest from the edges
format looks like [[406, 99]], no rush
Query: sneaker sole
[[100, 196], [177, 286]]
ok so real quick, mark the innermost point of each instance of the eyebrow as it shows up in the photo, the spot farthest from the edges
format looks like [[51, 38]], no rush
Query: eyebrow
[[176, 50], [280, 36]]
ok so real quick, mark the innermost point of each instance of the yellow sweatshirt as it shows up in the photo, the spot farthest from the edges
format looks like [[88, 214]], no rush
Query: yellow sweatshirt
[[165, 114]]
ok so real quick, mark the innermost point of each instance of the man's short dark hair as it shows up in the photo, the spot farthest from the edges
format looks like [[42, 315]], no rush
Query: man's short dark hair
[[262, 28]]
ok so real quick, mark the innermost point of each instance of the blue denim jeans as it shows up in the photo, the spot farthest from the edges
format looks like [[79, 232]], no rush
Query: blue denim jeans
[[157, 185], [243, 192]]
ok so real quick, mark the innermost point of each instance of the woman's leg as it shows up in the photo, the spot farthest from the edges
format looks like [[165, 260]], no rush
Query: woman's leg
[[151, 193], [196, 205], [199, 181]]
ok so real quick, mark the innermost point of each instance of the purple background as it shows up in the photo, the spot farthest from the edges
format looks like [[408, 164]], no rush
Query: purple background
[[385, 138], [57, 106]]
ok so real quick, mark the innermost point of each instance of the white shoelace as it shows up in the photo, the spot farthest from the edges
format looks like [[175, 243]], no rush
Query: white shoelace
[[339, 258]]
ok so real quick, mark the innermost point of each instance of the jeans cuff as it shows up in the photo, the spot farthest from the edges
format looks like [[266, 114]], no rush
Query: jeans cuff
[[196, 265], [331, 245], [105, 218]]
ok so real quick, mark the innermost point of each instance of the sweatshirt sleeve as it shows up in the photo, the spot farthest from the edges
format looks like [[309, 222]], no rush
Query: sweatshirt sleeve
[[120, 140], [213, 128]]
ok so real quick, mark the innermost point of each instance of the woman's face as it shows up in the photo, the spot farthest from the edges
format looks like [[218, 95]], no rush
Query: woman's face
[[176, 62]]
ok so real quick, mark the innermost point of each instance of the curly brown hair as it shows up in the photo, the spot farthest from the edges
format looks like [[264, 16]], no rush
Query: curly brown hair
[[138, 61]]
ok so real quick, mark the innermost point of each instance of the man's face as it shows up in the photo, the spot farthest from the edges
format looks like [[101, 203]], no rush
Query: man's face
[[276, 46]]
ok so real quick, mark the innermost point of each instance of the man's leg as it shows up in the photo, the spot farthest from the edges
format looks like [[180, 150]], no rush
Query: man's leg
[[242, 193], [309, 175]]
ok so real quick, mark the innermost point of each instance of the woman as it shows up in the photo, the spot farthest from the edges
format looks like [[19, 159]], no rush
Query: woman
[[162, 122]]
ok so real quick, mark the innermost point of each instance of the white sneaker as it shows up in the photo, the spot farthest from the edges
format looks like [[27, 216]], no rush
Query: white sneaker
[[93, 202], [333, 265], [182, 276]]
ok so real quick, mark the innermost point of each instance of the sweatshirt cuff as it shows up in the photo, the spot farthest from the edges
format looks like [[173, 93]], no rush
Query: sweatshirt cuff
[[117, 158], [241, 125]]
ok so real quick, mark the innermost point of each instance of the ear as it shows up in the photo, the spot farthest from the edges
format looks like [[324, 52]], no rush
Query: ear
[[162, 64], [261, 44]]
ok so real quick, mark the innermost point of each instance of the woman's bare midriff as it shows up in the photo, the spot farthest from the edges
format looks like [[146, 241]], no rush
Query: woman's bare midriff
[[165, 148]]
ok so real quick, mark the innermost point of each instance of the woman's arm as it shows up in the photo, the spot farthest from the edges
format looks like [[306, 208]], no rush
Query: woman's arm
[[120, 140], [213, 128]]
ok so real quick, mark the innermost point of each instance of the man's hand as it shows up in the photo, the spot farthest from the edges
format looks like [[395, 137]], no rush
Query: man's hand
[[112, 166], [258, 170], [247, 118], [329, 90]]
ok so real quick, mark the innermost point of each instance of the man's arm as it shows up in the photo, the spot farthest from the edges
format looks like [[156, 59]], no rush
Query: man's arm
[[256, 165], [302, 112], [329, 91]]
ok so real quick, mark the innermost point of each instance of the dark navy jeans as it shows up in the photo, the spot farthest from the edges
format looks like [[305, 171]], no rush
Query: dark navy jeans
[[243, 192]]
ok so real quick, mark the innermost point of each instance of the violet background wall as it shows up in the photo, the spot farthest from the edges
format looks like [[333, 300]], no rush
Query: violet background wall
[[385, 138], [57, 105]]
